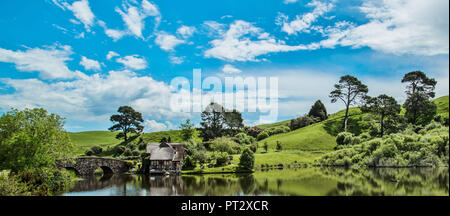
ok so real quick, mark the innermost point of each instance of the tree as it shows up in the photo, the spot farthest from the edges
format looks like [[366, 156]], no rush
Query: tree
[[187, 130], [234, 121], [318, 110], [350, 91], [32, 139], [419, 91], [129, 121], [383, 106], [266, 147], [279, 146], [247, 160], [213, 122]]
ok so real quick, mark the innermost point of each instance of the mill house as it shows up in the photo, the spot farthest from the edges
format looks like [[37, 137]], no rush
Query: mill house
[[165, 157]]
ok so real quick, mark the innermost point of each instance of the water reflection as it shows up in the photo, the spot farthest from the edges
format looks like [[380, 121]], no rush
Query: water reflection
[[300, 182]]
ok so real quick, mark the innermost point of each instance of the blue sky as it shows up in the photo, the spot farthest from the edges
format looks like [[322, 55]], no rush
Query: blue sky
[[83, 59]]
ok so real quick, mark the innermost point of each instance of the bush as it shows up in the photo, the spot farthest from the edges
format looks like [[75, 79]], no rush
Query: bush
[[279, 147], [278, 130], [254, 147], [247, 160], [119, 150], [89, 153], [254, 131], [127, 153], [135, 153], [220, 158], [344, 138], [244, 139], [262, 135], [188, 163], [10, 185], [225, 144], [303, 121], [96, 150]]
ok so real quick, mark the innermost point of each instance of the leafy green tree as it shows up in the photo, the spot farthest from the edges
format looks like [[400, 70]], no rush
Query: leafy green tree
[[187, 130], [127, 122], [234, 121], [318, 110], [266, 147], [213, 122], [247, 160], [420, 89], [384, 106], [350, 91], [31, 139], [279, 146]]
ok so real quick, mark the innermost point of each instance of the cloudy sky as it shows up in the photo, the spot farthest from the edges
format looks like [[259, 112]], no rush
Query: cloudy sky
[[83, 59]]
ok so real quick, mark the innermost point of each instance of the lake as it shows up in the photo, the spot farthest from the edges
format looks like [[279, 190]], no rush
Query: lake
[[316, 181]]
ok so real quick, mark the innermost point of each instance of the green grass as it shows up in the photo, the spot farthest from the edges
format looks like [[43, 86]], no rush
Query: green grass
[[83, 141], [442, 105]]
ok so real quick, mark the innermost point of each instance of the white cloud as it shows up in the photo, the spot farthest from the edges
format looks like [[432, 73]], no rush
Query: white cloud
[[90, 64], [399, 27], [93, 98], [186, 31], [134, 16], [154, 126], [134, 62], [49, 61], [290, 1], [229, 69], [167, 42], [244, 42], [304, 22], [115, 34], [176, 59], [81, 11], [111, 54]]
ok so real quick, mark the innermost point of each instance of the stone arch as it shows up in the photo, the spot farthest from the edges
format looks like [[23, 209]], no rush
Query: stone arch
[[107, 170], [73, 169]]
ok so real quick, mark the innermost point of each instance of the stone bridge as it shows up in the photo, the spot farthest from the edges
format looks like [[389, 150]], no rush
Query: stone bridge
[[87, 165]]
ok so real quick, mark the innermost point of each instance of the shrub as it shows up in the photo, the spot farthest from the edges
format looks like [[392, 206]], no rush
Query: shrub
[[96, 150], [262, 135], [225, 144], [220, 158], [266, 146], [344, 138], [10, 185], [89, 153], [247, 160], [188, 163], [127, 152], [244, 139], [278, 130], [279, 147], [142, 146], [254, 147], [303, 121], [254, 131], [135, 152], [119, 150]]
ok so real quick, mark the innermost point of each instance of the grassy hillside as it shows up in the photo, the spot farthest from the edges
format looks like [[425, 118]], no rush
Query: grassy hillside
[[83, 141], [442, 105]]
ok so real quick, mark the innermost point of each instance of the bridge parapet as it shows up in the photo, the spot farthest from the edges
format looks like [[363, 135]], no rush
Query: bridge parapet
[[87, 165]]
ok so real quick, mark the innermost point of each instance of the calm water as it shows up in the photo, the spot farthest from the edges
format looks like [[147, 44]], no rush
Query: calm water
[[300, 182]]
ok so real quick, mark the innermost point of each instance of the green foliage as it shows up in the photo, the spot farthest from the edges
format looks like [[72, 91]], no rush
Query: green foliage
[[266, 146], [262, 135], [253, 131], [279, 146], [32, 138], [254, 147], [46, 181], [225, 144], [429, 147], [247, 160], [187, 130], [10, 185], [217, 122], [386, 108], [96, 150], [277, 130], [127, 122], [318, 110], [188, 163], [344, 138], [244, 139], [303, 121], [349, 90], [219, 159]]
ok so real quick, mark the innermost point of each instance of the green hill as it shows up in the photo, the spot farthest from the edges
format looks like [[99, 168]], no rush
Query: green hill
[[321, 136]]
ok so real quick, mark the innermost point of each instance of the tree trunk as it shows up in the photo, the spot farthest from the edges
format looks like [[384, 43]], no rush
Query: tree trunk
[[346, 118], [382, 125]]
